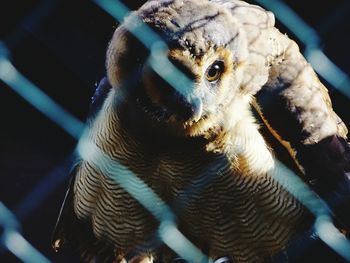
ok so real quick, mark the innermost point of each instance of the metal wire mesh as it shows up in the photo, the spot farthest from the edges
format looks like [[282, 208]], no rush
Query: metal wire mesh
[[10, 222]]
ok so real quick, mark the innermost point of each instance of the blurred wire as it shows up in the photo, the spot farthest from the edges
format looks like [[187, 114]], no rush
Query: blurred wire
[[36, 97], [309, 37], [14, 241]]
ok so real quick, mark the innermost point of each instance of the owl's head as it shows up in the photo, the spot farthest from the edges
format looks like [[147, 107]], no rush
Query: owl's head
[[208, 48]]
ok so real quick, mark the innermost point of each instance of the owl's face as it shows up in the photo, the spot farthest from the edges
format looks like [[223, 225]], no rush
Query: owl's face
[[206, 46]]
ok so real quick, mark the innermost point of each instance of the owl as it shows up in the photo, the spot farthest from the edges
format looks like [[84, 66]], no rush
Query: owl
[[193, 126]]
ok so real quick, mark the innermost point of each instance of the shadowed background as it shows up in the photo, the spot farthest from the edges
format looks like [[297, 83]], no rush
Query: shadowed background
[[60, 47]]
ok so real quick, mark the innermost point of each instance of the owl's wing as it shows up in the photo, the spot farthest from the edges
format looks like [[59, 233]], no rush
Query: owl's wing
[[277, 69], [68, 226], [294, 104]]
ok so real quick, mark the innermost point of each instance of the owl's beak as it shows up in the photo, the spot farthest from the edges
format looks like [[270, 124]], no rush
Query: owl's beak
[[197, 109]]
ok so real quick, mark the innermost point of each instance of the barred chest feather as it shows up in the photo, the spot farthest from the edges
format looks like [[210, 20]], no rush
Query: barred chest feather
[[223, 204]]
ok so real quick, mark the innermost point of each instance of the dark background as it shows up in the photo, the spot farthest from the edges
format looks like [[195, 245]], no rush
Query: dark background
[[60, 46]]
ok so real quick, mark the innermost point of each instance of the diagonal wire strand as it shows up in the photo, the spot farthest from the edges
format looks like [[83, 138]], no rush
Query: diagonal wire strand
[[14, 241], [309, 37], [38, 99]]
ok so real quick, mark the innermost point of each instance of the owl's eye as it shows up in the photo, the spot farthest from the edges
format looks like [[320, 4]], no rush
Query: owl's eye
[[214, 71]]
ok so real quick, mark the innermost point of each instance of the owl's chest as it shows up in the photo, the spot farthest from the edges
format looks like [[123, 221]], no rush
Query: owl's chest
[[180, 177], [183, 172], [212, 198]]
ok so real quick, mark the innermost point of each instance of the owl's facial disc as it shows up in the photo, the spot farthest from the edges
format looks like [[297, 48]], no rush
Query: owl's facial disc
[[191, 110]]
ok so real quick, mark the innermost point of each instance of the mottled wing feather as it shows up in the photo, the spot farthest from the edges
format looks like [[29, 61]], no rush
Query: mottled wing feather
[[290, 82]]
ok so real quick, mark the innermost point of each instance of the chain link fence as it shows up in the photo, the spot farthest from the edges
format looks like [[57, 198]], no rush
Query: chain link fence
[[17, 214]]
